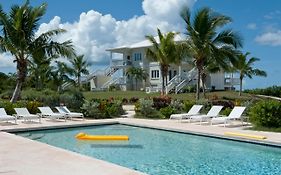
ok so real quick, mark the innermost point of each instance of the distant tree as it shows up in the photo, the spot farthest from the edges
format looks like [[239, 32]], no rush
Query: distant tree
[[207, 43], [18, 37], [162, 52], [137, 74], [39, 69], [79, 67], [246, 69], [60, 74]]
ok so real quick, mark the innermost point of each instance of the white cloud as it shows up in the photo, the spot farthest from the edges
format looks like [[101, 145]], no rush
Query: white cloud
[[6, 60], [93, 33], [273, 15], [270, 38], [252, 26]]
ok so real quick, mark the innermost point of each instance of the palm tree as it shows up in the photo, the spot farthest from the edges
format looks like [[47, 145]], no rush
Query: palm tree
[[207, 42], [39, 69], [60, 74], [19, 38], [79, 66], [208, 68], [137, 74], [245, 68], [162, 52]]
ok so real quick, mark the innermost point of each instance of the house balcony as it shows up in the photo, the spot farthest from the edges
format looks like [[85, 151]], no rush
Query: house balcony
[[120, 64], [231, 82]]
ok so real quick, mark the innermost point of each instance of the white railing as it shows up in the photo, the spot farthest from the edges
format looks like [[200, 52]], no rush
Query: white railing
[[186, 79], [66, 85], [231, 81], [172, 83], [119, 80], [181, 85]]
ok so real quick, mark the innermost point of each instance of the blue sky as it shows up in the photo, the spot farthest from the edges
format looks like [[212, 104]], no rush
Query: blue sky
[[92, 30]]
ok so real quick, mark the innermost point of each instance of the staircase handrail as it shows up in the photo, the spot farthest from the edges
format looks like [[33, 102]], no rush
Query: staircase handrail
[[118, 80], [186, 79]]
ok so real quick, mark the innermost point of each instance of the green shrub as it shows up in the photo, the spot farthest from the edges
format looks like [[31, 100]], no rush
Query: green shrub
[[74, 99], [270, 91], [189, 89], [91, 109], [32, 106], [167, 111], [47, 97], [146, 108], [177, 105], [266, 114], [226, 111], [102, 108], [114, 88], [9, 107], [114, 108], [7, 94], [187, 105]]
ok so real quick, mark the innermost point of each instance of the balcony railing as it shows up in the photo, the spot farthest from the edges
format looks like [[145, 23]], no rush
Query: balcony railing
[[231, 81]]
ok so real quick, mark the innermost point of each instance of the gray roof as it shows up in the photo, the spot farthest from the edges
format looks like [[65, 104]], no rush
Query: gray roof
[[142, 44]]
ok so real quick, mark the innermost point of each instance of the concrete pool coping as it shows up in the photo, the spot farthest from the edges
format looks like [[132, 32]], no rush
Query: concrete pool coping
[[40, 158]]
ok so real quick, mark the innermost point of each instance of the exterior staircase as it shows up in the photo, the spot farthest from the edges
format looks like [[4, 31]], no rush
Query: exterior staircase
[[109, 71], [178, 82]]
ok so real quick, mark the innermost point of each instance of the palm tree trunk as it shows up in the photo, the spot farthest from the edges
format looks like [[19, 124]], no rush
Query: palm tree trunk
[[163, 85], [198, 84], [163, 80], [136, 84], [203, 78], [21, 74], [203, 89], [17, 92], [240, 91], [79, 80]]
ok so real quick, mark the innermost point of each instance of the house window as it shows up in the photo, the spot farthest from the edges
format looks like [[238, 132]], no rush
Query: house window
[[155, 74], [137, 56]]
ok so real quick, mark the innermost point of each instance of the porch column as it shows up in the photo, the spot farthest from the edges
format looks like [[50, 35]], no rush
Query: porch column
[[179, 73], [110, 58]]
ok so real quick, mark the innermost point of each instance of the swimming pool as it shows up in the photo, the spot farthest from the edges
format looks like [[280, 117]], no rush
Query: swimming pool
[[158, 152]]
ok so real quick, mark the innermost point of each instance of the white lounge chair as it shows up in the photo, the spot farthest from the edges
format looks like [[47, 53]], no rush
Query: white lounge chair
[[48, 113], [194, 110], [24, 113], [236, 113], [213, 112], [5, 117], [68, 113]]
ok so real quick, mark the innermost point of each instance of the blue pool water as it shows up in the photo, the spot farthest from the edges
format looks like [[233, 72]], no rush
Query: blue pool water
[[159, 152]]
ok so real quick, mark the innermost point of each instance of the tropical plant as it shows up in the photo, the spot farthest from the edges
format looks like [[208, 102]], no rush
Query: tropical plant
[[60, 74], [163, 52], [207, 42], [145, 108], [79, 67], [137, 74], [18, 37], [266, 113], [245, 68], [39, 69]]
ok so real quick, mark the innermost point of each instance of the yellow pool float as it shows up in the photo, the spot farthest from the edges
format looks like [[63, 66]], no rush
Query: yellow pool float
[[83, 136], [249, 136]]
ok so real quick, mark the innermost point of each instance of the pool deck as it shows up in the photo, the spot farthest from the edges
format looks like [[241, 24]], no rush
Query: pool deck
[[21, 156]]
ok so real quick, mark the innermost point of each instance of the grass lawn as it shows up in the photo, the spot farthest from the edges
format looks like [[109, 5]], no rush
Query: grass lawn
[[230, 95]]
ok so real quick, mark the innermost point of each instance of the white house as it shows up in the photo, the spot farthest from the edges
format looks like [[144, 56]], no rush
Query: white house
[[134, 55]]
